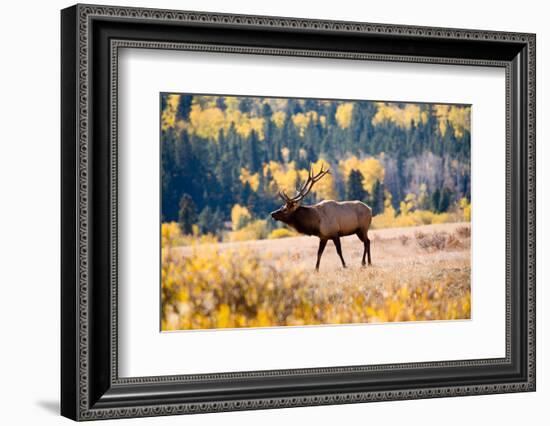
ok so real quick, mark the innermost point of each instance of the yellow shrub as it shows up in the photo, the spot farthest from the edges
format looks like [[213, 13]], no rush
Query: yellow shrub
[[281, 233], [384, 220], [239, 216], [444, 218], [171, 236], [229, 288], [188, 240], [253, 231], [466, 208], [388, 219], [211, 287]]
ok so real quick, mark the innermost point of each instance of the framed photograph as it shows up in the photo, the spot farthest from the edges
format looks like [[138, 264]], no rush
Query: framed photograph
[[263, 212]]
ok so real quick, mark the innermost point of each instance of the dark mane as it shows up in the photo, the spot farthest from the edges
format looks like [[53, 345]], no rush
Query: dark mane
[[305, 220]]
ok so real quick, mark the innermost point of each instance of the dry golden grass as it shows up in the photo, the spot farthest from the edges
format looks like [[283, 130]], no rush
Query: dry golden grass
[[273, 283]]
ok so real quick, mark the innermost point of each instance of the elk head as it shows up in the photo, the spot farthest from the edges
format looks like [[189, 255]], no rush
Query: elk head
[[284, 213]]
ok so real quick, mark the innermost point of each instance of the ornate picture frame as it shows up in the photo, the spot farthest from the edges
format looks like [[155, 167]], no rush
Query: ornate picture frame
[[91, 37]]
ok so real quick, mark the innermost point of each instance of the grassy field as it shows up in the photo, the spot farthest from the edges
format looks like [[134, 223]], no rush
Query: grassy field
[[418, 273]]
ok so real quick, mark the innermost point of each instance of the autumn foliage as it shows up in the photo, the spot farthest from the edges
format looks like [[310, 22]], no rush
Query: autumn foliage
[[219, 287], [223, 151]]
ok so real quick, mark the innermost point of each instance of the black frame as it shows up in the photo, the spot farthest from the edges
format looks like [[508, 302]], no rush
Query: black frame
[[91, 37]]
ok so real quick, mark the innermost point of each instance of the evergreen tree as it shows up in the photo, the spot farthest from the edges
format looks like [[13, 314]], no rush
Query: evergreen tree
[[253, 204], [245, 105], [210, 222], [220, 103], [187, 214], [168, 172], [310, 105], [293, 107], [255, 152], [266, 111], [356, 127], [184, 107], [330, 113], [441, 200], [354, 187], [377, 198], [244, 194], [436, 199], [445, 201]]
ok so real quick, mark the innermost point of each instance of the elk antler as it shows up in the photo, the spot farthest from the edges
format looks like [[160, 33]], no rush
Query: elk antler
[[306, 187], [284, 196]]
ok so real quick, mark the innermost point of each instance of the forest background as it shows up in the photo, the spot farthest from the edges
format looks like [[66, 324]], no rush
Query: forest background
[[224, 159]]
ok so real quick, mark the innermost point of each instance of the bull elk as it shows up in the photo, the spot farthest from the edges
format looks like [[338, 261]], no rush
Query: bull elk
[[328, 220]]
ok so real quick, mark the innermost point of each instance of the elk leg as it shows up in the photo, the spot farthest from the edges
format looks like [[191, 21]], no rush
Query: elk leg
[[360, 235], [367, 249], [339, 250], [322, 245]]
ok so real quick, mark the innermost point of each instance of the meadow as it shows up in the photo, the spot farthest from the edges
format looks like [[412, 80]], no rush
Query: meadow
[[419, 273]]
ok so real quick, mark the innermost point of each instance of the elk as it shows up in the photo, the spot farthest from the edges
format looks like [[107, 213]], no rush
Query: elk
[[328, 220]]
